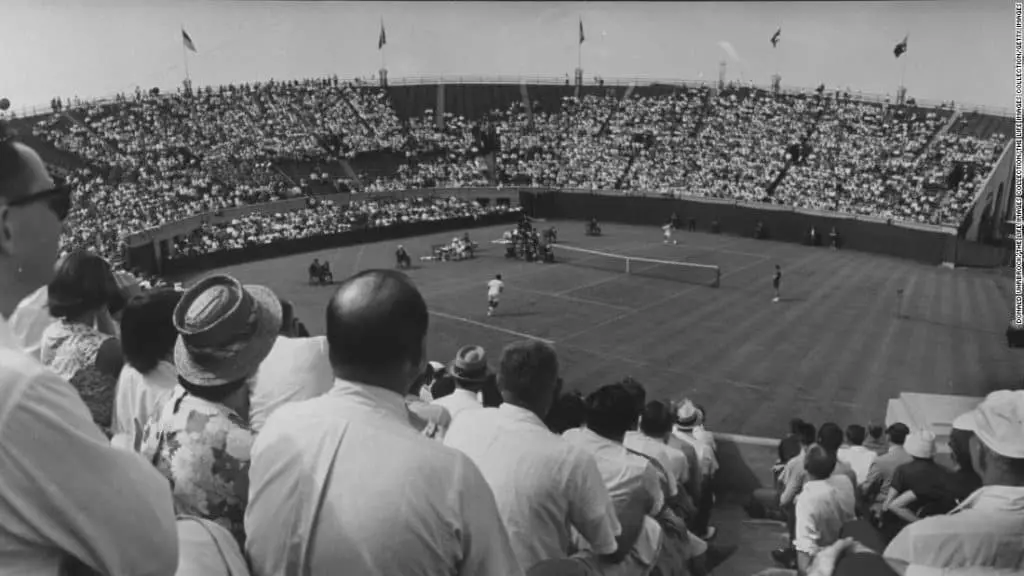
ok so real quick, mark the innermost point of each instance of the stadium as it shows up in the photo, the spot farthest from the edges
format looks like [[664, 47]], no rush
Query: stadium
[[762, 252]]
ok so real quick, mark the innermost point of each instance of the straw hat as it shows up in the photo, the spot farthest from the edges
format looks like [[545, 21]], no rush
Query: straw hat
[[998, 422], [470, 365], [687, 415], [920, 444], [225, 330]]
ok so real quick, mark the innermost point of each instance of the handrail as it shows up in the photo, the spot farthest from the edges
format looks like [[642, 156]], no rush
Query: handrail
[[29, 111]]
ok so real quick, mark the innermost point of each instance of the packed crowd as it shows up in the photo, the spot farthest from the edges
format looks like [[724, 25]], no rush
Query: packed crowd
[[323, 218], [204, 432]]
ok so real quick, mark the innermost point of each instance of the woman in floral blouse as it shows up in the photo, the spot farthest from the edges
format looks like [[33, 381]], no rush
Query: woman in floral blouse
[[201, 441]]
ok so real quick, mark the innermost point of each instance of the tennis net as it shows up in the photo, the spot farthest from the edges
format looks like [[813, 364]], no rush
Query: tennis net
[[686, 272]]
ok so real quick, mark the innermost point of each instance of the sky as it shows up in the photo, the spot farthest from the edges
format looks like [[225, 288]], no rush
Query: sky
[[958, 50]]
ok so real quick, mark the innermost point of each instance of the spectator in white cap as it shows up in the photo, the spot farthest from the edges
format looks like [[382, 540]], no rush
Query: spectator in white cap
[[702, 462], [201, 440], [469, 372], [921, 487], [984, 531]]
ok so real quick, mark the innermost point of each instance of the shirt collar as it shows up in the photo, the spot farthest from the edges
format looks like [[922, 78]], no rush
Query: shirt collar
[[994, 499], [520, 414], [371, 397], [896, 449]]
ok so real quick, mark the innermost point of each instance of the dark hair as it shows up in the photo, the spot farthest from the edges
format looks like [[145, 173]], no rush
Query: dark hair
[[215, 394], [569, 411], [855, 434], [610, 411], [657, 419], [442, 386], [528, 371], [807, 433], [875, 431], [959, 445], [288, 323], [490, 394], [377, 320], [638, 395], [83, 282], [897, 433], [147, 329], [830, 436], [819, 461], [794, 425]]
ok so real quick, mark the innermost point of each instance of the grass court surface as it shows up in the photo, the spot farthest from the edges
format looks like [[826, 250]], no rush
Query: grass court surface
[[831, 350]]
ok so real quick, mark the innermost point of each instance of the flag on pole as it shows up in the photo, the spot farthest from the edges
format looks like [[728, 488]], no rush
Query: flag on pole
[[383, 39], [901, 47], [775, 37], [582, 38], [187, 41]]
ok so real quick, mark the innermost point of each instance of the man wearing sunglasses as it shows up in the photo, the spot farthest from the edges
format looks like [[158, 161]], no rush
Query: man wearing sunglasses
[[67, 498]]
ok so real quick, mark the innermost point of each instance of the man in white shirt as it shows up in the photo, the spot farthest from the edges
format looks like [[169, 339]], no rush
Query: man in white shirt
[[825, 504], [344, 480], [855, 454], [544, 485], [296, 369], [687, 420], [631, 480], [66, 495], [494, 289], [469, 372]]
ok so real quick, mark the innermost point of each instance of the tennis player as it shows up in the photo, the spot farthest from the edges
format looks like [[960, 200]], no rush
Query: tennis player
[[494, 289], [668, 233], [777, 282]]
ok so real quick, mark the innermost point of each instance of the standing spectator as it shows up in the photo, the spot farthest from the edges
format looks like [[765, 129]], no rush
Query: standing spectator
[[856, 455], [985, 530], [469, 372], [82, 345], [296, 369], [543, 484], [875, 489], [149, 377], [826, 502], [201, 441], [330, 481], [66, 495]]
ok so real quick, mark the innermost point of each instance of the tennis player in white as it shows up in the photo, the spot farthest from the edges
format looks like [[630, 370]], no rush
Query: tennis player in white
[[494, 289], [668, 233]]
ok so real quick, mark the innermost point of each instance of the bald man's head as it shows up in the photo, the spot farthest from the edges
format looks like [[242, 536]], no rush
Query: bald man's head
[[376, 323]]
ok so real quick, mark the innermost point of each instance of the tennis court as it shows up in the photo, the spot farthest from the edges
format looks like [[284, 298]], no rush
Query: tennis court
[[833, 349]]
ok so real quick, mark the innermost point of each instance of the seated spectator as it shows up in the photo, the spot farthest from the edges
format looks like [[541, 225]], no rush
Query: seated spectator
[[201, 441], [296, 369], [790, 446], [569, 411], [965, 479], [82, 345], [544, 485], [469, 372], [31, 319], [826, 502], [429, 419], [684, 433], [208, 549], [631, 480], [855, 454], [330, 481], [149, 377], [921, 487], [66, 495], [876, 440], [985, 530], [875, 488], [789, 481]]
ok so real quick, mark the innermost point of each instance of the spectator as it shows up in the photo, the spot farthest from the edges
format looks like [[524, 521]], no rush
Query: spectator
[[930, 486], [687, 421], [569, 411], [49, 444], [149, 377], [875, 488], [790, 446], [876, 442], [790, 481], [965, 479], [296, 369], [630, 479], [82, 345], [543, 484], [330, 477], [985, 530], [429, 419], [856, 455], [826, 502], [31, 319], [201, 440], [469, 372]]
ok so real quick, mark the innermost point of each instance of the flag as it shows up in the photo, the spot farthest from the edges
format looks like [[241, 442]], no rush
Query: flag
[[582, 38], [187, 41], [901, 47], [775, 37], [383, 39]]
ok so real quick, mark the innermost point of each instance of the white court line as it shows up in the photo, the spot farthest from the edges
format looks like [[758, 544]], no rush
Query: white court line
[[492, 327], [562, 296]]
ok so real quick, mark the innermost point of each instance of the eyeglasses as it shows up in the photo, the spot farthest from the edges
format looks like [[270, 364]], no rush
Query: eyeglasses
[[57, 199]]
